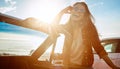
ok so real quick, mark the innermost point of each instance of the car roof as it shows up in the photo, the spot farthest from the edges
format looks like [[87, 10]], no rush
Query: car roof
[[111, 39]]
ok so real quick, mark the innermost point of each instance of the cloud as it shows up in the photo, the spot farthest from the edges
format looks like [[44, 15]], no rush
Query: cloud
[[11, 6]]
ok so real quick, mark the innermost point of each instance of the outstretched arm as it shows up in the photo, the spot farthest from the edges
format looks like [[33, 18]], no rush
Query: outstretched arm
[[109, 62], [100, 49], [35, 24]]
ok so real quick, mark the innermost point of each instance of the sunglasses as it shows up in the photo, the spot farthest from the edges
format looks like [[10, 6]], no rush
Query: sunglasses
[[78, 9]]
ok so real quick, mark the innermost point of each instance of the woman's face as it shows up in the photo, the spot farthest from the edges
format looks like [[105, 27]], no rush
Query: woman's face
[[77, 12]]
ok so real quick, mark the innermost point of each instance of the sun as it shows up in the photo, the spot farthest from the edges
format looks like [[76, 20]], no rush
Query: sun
[[46, 11], [43, 10]]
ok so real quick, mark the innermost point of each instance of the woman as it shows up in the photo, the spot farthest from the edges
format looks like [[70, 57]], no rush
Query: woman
[[83, 36], [80, 37]]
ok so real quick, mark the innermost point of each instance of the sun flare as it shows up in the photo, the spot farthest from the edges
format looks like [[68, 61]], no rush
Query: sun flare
[[43, 10]]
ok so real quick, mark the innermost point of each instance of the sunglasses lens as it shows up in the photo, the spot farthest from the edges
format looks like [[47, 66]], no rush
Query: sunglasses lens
[[79, 10]]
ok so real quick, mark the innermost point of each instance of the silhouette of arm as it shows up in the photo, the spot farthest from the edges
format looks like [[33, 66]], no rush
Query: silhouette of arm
[[100, 49]]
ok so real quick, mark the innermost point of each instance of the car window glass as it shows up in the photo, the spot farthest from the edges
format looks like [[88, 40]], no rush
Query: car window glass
[[57, 50], [108, 47], [111, 47]]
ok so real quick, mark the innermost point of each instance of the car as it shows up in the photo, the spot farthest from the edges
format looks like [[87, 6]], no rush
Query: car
[[112, 46], [40, 58]]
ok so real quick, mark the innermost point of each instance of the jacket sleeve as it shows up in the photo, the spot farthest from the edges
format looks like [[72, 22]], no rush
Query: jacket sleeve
[[35, 24], [95, 41]]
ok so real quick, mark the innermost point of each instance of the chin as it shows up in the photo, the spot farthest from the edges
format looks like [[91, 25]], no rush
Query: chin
[[76, 18]]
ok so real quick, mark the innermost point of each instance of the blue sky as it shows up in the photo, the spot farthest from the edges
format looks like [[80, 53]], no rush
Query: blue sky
[[106, 12]]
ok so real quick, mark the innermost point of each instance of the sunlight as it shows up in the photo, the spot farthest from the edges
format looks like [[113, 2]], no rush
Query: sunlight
[[43, 10], [19, 44], [34, 41], [47, 13], [58, 46]]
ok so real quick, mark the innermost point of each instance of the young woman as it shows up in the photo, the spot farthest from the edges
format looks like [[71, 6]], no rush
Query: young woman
[[83, 36], [80, 37]]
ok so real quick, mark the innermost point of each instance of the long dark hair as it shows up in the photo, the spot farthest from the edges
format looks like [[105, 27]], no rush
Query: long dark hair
[[87, 18]]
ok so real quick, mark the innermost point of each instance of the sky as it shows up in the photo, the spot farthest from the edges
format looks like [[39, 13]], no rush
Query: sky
[[105, 12]]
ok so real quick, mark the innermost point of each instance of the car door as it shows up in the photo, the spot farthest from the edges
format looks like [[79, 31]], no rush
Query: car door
[[112, 46]]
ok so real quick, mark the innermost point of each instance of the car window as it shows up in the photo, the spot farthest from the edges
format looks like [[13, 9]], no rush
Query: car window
[[111, 47], [46, 56]]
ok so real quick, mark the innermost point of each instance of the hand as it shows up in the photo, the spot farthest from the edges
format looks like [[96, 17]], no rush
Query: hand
[[67, 10]]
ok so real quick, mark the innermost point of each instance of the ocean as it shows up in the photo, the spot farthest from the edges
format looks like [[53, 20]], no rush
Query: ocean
[[17, 40]]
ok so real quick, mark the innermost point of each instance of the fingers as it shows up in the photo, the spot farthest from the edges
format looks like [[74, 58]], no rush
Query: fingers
[[70, 8], [67, 9]]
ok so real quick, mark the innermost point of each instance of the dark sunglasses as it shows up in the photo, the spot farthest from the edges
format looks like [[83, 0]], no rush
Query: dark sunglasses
[[78, 9]]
